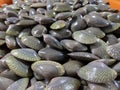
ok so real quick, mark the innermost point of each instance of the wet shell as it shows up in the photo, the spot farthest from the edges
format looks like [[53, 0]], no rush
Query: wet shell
[[97, 72], [18, 67], [25, 54], [72, 67], [37, 86], [58, 25], [84, 37], [5, 82], [20, 84], [107, 86], [111, 39], [13, 30], [114, 51], [26, 22], [32, 42], [53, 42], [11, 42], [96, 21], [38, 31], [2, 42], [61, 34], [83, 56], [99, 49], [96, 31], [51, 54], [63, 83], [48, 69], [25, 32], [38, 5], [117, 68], [3, 27], [62, 7], [72, 45], [112, 27], [114, 17], [2, 34]]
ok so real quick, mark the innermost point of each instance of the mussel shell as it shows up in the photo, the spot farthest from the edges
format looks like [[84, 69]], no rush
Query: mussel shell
[[63, 83], [20, 84], [48, 69], [25, 54]]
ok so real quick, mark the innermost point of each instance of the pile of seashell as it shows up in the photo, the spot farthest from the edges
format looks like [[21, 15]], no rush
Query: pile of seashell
[[59, 45]]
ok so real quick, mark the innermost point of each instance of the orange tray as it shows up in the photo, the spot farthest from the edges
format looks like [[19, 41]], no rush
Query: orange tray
[[115, 4], [5, 2]]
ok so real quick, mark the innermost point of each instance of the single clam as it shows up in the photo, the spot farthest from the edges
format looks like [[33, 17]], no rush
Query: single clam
[[37, 86], [5, 82], [114, 50], [38, 31], [96, 21], [48, 69], [72, 45], [72, 67], [99, 49], [84, 37], [63, 83], [96, 31], [114, 17], [38, 5], [20, 84], [111, 39], [2, 34], [51, 54], [83, 56], [61, 34], [117, 68], [50, 13], [18, 67], [62, 7], [58, 25], [2, 42], [53, 42], [97, 72], [78, 23], [32, 42], [25, 54], [25, 32], [3, 27]]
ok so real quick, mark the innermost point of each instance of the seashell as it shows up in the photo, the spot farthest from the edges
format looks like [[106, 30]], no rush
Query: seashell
[[63, 83], [99, 49], [97, 72], [18, 67], [53, 42], [96, 21], [73, 46], [61, 34], [32, 42], [20, 84], [58, 25], [83, 56], [84, 37], [96, 31], [48, 69], [25, 54], [113, 51], [72, 67], [51, 54], [5, 82], [37, 86], [62, 7]]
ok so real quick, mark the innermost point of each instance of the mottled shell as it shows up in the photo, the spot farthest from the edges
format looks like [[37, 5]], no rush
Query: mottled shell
[[25, 54], [20, 84], [48, 69], [84, 37], [97, 72], [63, 83]]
